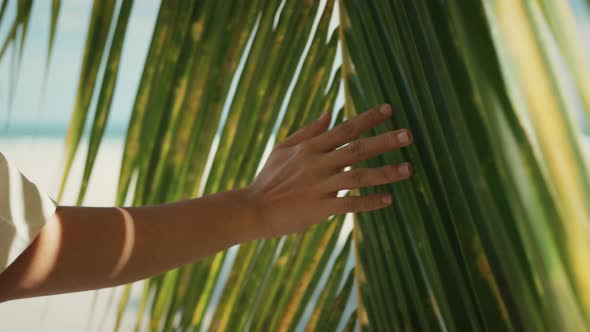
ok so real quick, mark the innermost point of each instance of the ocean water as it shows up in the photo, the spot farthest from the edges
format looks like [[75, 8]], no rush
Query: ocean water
[[41, 159]]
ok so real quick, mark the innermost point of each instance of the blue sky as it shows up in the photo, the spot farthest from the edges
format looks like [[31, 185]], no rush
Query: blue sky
[[65, 66], [25, 116]]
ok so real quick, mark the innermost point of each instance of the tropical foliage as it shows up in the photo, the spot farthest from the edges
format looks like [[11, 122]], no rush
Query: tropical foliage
[[491, 233]]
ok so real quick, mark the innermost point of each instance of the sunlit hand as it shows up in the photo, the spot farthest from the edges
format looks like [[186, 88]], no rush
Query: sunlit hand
[[299, 183], [297, 188]]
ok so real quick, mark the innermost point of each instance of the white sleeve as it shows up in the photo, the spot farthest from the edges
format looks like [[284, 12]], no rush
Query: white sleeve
[[23, 212]]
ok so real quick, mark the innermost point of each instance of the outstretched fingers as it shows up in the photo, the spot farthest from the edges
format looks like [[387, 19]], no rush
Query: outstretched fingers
[[352, 128], [348, 204], [367, 177], [366, 148], [311, 130]]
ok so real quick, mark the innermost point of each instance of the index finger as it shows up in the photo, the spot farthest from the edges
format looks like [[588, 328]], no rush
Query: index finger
[[352, 128]]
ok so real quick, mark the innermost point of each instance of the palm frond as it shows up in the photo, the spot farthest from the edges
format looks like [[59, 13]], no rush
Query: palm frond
[[16, 37], [480, 234], [184, 104], [491, 233], [96, 40], [105, 97]]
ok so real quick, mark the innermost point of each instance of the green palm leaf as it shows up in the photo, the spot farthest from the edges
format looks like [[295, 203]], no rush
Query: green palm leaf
[[109, 83], [492, 231], [16, 36], [499, 237], [179, 124], [96, 39]]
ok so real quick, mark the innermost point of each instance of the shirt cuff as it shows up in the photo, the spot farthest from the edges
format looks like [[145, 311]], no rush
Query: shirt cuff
[[24, 210]]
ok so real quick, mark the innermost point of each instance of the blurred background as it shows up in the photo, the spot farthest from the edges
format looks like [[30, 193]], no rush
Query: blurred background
[[32, 137], [33, 129]]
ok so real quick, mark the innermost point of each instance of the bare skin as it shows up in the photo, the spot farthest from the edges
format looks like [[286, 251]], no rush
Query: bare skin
[[84, 248]]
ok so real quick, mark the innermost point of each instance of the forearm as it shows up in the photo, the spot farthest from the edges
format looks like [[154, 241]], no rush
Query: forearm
[[90, 248]]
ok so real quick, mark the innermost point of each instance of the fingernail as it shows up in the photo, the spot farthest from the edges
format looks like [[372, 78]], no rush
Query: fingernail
[[386, 199], [385, 109], [403, 136], [404, 169], [323, 116]]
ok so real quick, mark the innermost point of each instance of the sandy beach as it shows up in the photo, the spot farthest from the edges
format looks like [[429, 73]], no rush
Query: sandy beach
[[40, 159]]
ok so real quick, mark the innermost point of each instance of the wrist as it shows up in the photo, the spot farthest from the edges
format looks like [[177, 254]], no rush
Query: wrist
[[262, 227]]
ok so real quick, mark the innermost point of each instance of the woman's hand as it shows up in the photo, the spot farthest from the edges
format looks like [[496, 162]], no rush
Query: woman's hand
[[298, 185], [297, 188]]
